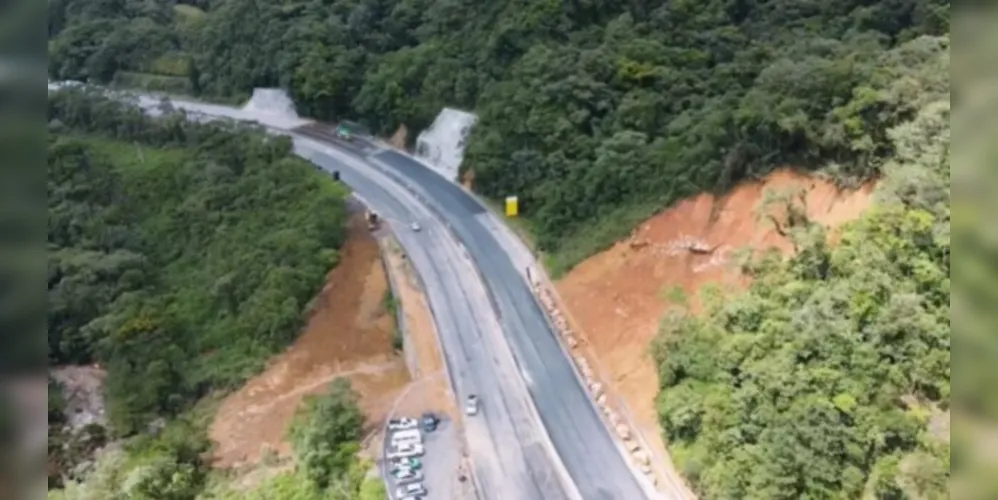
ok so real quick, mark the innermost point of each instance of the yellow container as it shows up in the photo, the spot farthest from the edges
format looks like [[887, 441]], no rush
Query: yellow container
[[512, 206]]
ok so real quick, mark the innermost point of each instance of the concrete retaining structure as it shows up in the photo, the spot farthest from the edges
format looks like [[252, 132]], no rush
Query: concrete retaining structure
[[385, 241]]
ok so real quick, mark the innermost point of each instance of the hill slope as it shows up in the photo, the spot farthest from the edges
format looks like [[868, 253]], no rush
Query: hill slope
[[181, 255], [597, 114]]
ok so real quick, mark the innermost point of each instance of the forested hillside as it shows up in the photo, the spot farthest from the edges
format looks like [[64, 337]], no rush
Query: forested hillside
[[830, 377], [596, 113], [181, 256]]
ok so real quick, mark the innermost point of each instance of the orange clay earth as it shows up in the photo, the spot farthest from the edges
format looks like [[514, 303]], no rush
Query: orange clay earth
[[348, 335], [615, 299]]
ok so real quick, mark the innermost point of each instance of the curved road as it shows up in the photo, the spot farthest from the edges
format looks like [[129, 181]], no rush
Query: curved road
[[590, 454], [511, 453], [530, 393]]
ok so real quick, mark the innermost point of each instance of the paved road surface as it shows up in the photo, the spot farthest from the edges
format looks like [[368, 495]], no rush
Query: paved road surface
[[511, 450], [512, 456], [591, 455]]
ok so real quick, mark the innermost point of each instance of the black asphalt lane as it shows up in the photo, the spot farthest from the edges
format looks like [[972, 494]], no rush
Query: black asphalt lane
[[467, 357], [582, 440]]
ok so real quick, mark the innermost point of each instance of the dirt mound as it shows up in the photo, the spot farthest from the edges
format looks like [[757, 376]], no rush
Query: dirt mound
[[617, 298], [349, 334]]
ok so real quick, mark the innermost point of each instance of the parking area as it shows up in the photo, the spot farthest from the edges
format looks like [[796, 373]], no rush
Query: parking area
[[422, 460]]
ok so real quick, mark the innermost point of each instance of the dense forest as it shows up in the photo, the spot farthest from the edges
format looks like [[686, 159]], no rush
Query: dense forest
[[830, 377], [596, 113], [181, 256]]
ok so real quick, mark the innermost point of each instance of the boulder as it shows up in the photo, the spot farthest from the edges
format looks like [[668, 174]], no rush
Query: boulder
[[623, 431]]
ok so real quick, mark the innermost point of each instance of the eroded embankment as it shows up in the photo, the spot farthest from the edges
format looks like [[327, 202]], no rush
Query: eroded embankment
[[617, 298], [349, 334]]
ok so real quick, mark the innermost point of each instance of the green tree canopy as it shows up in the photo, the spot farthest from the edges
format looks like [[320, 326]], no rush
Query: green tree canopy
[[830, 376], [594, 113]]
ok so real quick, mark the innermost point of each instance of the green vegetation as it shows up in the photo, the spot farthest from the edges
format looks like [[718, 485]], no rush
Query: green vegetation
[[594, 113], [325, 435], [830, 377], [390, 303], [181, 256], [170, 465], [824, 380]]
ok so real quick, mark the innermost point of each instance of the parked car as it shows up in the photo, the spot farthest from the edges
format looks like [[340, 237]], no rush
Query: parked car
[[406, 463], [471, 406], [404, 451], [412, 489], [398, 424], [400, 466], [406, 443], [430, 422], [407, 436], [409, 476]]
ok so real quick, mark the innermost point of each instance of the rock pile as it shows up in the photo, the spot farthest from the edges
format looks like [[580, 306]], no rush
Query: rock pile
[[640, 457]]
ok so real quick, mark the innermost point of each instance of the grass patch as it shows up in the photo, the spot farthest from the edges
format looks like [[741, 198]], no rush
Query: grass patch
[[611, 228], [391, 305], [171, 64]]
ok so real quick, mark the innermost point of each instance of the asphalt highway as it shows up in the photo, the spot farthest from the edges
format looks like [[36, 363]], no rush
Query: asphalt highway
[[511, 454], [589, 452], [538, 436]]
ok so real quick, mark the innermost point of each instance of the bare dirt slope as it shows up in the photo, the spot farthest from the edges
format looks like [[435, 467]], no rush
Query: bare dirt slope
[[349, 334], [617, 298]]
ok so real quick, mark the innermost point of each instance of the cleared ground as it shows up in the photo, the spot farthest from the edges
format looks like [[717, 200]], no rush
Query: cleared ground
[[616, 299], [349, 334]]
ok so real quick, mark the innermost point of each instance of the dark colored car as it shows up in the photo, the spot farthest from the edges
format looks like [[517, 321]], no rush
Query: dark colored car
[[430, 422]]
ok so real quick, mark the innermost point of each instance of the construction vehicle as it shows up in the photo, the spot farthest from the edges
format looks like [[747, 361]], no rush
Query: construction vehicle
[[372, 220], [344, 133]]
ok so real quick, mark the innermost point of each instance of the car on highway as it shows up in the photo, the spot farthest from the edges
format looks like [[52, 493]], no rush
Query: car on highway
[[471, 405], [344, 133], [411, 490], [415, 226], [430, 422]]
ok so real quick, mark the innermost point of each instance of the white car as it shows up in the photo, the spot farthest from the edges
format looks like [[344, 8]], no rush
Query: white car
[[409, 476], [414, 450], [471, 406], [407, 436], [402, 424], [415, 226], [410, 490]]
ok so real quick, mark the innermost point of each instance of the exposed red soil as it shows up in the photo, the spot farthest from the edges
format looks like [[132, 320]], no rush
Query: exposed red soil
[[349, 334], [616, 299]]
